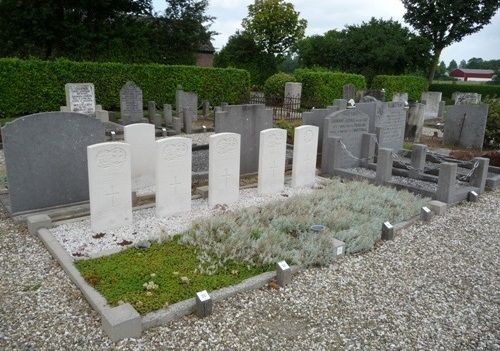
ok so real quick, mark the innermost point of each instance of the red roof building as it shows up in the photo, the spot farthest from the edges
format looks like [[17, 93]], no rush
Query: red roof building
[[469, 74]]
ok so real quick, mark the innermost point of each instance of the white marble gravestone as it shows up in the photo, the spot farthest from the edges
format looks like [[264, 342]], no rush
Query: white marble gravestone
[[109, 185], [223, 168], [432, 99], [80, 97], [305, 147], [272, 154], [141, 138], [173, 176]]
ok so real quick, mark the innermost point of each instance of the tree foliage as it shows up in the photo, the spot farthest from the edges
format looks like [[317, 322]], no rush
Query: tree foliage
[[107, 30], [274, 25], [479, 63], [376, 47], [445, 22], [241, 51]]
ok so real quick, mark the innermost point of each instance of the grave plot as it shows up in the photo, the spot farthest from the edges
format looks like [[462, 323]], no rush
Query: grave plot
[[350, 151]]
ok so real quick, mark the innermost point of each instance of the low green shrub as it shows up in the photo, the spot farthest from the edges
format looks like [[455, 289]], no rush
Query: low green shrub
[[289, 126], [413, 85], [492, 132]]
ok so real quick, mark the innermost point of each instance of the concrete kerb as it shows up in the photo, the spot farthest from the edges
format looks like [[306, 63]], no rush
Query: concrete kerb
[[124, 321]]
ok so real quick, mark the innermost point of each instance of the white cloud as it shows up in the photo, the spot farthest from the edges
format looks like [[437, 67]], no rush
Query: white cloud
[[324, 15]]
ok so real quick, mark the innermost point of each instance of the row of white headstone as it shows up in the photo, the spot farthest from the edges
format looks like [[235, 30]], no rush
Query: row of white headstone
[[117, 168]]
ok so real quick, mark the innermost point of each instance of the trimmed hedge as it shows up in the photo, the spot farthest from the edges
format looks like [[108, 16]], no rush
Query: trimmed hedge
[[413, 85], [31, 86], [324, 87], [275, 85], [483, 89]]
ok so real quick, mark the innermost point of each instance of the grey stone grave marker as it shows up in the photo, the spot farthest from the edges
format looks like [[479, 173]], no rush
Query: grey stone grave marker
[[415, 121], [391, 126], [248, 121], [466, 98], [465, 125], [349, 125], [46, 158], [293, 93], [186, 101], [399, 97], [131, 104]]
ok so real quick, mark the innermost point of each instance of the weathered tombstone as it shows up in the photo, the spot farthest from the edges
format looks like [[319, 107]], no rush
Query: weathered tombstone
[[173, 176], [349, 126], [141, 138], [418, 156], [316, 118], [248, 121], [442, 105], [466, 98], [384, 166], [153, 117], [446, 182], [399, 97], [272, 154], [46, 158], [304, 156], [415, 121], [131, 104], [432, 99], [186, 101], [109, 185], [80, 97], [293, 94], [465, 125], [167, 114], [390, 127], [348, 91], [373, 110], [223, 168]]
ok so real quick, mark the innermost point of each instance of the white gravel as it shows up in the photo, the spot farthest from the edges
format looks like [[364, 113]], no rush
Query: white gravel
[[436, 286]]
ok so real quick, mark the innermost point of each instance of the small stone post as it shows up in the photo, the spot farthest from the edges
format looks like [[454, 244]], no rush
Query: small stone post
[[283, 274], [204, 304], [418, 155], [446, 182], [384, 166]]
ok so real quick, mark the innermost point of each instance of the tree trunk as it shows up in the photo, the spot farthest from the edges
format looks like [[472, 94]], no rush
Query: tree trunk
[[434, 63]]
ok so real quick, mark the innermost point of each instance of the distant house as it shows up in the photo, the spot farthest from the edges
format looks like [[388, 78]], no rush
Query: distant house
[[469, 74], [205, 55]]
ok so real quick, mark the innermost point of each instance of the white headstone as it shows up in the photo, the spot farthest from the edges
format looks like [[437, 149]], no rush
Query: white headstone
[[141, 138], [305, 147], [272, 155], [109, 185], [223, 168], [80, 97], [173, 176]]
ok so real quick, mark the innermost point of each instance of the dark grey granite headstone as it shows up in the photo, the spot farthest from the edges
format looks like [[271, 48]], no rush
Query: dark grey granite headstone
[[391, 126], [465, 125], [349, 125], [248, 121], [131, 104], [373, 110], [316, 118], [46, 158]]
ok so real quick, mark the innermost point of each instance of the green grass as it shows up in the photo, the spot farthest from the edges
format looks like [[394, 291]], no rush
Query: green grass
[[229, 247], [121, 277]]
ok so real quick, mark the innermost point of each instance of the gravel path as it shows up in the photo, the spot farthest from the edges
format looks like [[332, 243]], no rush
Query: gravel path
[[435, 287]]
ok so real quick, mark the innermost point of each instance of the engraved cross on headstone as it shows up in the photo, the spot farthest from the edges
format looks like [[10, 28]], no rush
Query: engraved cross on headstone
[[226, 176], [112, 194], [174, 184]]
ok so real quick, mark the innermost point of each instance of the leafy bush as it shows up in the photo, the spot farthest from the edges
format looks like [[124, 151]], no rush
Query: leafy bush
[[289, 126], [275, 85], [280, 230], [324, 87], [483, 89], [492, 133], [413, 85], [30, 86]]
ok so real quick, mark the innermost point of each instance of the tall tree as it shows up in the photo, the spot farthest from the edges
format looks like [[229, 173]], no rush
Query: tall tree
[[445, 22], [274, 25], [376, 47], [453, 65]]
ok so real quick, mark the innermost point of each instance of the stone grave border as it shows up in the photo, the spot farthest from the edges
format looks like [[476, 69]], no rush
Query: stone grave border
[[125, 322]]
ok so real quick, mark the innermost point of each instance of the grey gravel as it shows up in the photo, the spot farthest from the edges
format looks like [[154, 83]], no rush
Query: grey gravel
[[436, 286]]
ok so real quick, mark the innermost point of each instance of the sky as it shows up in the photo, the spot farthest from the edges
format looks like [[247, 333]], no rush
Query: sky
[[325, 15]]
